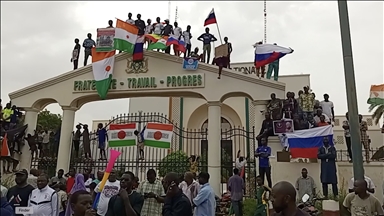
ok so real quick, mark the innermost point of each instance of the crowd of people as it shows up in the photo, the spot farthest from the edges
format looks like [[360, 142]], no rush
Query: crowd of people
[[161, 28], [306, 112], [75, 194]]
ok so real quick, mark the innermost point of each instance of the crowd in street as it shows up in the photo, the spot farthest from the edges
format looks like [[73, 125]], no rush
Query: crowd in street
[[75, 194]]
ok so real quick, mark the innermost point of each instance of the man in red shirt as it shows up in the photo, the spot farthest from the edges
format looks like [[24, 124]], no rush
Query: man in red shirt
[[71, 179]]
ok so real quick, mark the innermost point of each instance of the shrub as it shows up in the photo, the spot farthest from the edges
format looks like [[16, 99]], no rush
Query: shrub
[[174, 162]]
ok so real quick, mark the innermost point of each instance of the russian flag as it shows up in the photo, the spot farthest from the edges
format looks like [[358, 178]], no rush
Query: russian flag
[[211, 19], [181, 46], [172, 40], [138, 54], [306, 143], [268, 53]]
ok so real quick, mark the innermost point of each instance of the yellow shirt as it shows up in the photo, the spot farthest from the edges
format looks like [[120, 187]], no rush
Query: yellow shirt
[[7, 114]]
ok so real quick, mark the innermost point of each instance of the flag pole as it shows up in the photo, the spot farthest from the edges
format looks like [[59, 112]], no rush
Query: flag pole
[[218, 29]]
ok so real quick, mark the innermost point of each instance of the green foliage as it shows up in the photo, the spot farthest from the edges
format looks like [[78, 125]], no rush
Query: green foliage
[[176, 161], [48, 120], [378, 112], [249, 207]]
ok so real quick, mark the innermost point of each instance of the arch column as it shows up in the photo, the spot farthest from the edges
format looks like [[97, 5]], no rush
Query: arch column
[[214, 142], [259, 106], [65, 144], [30, 119]]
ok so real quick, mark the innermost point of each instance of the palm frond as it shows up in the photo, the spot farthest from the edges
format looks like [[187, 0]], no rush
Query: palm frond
[[378, 112]]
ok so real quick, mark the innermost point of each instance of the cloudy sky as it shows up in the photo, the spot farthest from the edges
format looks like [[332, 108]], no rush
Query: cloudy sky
[[37, 41]]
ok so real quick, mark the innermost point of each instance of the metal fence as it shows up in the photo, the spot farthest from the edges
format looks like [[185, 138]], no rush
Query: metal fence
[[185, 143]]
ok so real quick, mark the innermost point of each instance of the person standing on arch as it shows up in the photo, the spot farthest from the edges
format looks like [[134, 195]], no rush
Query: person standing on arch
[[206, 38], [229, 44], [76, 54], [88, 44]]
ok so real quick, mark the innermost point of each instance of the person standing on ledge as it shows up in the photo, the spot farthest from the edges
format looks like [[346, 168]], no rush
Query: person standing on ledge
[[229, 51], [327, 155], [274, 66], [76, 54], [207, 38], [88, 44]]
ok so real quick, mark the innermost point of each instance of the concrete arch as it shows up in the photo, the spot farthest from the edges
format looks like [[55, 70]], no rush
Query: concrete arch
[[80, 101], [235, 94], [199, 116], [42, 103]]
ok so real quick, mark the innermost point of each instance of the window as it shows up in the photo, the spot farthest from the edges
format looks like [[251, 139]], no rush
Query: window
[[225, 125]]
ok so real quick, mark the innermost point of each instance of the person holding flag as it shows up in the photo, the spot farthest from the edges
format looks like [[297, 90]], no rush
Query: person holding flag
[[140, 142], [240, 165]]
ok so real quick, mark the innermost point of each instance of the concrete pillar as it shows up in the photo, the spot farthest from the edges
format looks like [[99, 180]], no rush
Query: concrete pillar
[[31, 120], [214, 145], [260, 106], [65, 144]]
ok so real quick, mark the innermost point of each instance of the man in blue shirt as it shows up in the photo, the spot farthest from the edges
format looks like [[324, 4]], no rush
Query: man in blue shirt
[[207, 38], [263, 152], [205, 202], [88, 44]]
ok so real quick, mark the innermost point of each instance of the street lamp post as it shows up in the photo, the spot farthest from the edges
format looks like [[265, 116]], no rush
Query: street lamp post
[[350, 85]]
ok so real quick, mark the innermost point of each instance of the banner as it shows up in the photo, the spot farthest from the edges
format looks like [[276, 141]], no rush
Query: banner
[[283, 126], [104, 40], [190, 64]]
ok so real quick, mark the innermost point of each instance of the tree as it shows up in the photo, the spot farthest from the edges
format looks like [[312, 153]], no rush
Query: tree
[[48, 120], [378, 112], [176, 161]]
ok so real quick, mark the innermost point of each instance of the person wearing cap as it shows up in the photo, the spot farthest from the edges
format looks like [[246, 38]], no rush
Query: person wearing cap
[[18, 195], [43, 199]]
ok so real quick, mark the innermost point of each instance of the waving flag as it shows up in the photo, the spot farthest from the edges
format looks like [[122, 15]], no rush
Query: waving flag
[[181, 47], [125, 36], [158, 135], [160, 44], [138, 54], [153, 37], [211, 19], [376, 95], [172, 40], [306, 143], [121, 135], [268, 53], [103, 64], [4, 147]]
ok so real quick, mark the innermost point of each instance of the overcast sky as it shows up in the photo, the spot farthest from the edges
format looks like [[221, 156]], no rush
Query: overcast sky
[[37, 41]]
